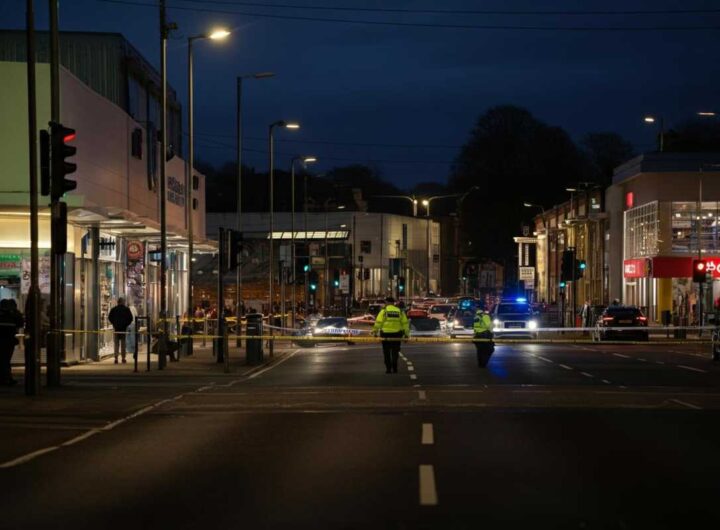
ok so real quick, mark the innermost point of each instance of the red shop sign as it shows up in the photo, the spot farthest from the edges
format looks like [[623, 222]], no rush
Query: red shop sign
[[634, 268], [671, 267]]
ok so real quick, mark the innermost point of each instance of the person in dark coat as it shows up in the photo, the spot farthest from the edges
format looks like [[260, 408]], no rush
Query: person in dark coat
[[120, 317], [10, 321]]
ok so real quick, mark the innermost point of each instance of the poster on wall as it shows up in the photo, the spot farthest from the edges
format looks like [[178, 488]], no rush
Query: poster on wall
[[44, 276], [135, 273]]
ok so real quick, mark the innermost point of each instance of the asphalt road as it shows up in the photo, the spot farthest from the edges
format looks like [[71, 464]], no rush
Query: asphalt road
[[548, 436]]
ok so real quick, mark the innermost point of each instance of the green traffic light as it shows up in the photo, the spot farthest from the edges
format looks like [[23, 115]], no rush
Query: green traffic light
[[306, 268]]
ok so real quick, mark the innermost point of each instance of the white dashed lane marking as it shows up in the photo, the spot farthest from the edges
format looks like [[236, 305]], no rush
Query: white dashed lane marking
[[686, 404], [428, 493], [413, 377], [566, 367], [428, 435], [422, 394], [692, 369]]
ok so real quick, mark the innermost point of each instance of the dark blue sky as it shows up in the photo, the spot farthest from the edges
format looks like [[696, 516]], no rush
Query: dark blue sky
[[424, 87]]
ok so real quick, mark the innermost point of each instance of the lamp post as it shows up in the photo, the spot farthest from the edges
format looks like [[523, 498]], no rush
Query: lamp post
[[238, 220], [287, 125], [413, 200], [426, 203], [305, 160], [217, 34], [661, 125]]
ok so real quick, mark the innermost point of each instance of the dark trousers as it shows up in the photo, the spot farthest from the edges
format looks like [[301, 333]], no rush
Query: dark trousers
[[391, 349], [119, 343], [6, 352]]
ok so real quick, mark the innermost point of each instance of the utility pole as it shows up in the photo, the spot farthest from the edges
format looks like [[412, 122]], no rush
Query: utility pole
[[164, 31], [32, 307]]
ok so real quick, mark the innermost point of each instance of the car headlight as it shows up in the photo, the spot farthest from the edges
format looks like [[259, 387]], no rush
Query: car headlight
[[496, 322], [532, 324]]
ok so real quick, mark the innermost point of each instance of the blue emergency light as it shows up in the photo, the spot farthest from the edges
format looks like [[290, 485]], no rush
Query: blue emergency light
[[521, 300]]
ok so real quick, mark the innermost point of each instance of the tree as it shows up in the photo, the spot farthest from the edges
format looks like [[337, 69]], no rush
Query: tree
[[605, 152], [513, 158]]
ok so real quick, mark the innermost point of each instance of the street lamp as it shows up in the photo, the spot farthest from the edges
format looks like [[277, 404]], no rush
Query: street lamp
[[661, 125], [217, 34], [305, 160], [287, 125], [410, 198], [238, 220], [426, 203]]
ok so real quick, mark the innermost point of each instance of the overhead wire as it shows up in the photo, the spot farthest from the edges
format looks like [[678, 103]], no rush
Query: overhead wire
[[422, 24]]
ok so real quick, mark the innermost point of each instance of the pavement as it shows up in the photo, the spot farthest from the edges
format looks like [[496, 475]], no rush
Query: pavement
[[548, 436]]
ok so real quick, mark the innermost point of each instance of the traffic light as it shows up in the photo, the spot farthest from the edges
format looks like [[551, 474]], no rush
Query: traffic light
[[233, 248], [401, 284], [60, 136], [580, 269], [336, 278], [566, 266], [563, 285], [699, 271], [313, 280]]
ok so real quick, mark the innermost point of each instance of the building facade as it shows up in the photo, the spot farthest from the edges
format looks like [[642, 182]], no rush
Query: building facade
[[356, 247], [663, 212], [113, 215]]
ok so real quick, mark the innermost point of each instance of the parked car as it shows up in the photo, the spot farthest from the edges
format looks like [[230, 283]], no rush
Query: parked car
[[325, 327], [460, 322], [622, 322], [425, 327]]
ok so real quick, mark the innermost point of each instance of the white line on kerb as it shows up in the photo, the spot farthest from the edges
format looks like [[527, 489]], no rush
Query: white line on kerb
[[413, 376], [422, 394], [260, 372], [428, 435], [428, 493], [566, 366], [691, 368], [685, 404]]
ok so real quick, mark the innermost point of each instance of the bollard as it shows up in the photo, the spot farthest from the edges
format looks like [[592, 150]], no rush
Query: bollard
[[253, 347]]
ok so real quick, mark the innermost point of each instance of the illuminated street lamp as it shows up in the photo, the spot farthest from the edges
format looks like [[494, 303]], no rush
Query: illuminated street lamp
[[287, 125], [305, 160], [661, 126], [217, 34]]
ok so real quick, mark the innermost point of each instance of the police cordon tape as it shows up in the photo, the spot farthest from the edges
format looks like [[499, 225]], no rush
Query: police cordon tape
[[308, 339]]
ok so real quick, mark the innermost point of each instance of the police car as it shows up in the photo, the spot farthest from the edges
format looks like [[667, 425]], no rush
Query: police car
[[461, 319], [326, 327], [514, 318]]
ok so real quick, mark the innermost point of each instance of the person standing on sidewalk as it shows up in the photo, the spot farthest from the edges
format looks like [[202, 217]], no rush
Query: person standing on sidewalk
[[120, 317], [10, 321], [391, 323]]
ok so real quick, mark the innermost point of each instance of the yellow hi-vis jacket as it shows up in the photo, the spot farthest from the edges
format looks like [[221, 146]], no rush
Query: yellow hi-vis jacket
[[482, 323], [392, 320]]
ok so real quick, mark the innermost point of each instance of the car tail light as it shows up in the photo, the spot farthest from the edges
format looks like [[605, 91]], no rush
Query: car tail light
[[607, 320]]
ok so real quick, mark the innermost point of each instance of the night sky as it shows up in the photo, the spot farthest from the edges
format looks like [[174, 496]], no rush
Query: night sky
[[415, 92]]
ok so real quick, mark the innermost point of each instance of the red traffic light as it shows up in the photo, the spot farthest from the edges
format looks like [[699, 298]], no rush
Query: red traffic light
[[69, 137], [699, 270]]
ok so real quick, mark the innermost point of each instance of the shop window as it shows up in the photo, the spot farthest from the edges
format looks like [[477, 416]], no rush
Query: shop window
[[695, 227], [641, 231]]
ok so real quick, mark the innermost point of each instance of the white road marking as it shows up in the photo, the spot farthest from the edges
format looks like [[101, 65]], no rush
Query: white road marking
[[659, 362], [413, 376], [621, 355], [686, 404], [606, 381], [268, 368], [641, 359], [428, 435], [692, 369], [622, 386], [566, 367], [421, 394], [587, 374], [28, 457], [416, 386], [410, 368], [545, 359], [428, 493]]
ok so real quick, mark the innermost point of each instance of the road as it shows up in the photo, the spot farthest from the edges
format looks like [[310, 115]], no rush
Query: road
[[548, 436]]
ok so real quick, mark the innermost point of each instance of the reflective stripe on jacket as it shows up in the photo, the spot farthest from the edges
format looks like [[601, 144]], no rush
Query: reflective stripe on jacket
[[392, 320], [482, 323]]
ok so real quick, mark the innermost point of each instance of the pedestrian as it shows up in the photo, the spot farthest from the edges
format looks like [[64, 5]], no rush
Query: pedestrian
[[391, 323], [585, 314], [120, 317], [616, 302], [10, 321]]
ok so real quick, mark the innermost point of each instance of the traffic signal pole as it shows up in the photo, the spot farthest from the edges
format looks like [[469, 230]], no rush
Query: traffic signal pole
[[57, 232]]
